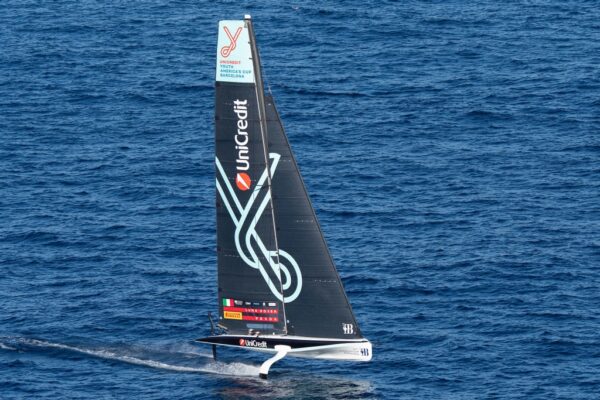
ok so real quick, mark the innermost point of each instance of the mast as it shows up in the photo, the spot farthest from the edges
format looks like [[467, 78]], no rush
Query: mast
[[262, 115]]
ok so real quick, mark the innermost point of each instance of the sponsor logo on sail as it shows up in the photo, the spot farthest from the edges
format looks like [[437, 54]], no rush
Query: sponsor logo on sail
[[348, 329], [242, 161], [252, 310], [232, 315], [227, 50], [243, 181], [246, 237], [260, 318]]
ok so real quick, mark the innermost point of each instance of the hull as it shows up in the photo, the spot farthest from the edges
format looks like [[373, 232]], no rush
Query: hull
[[305, 347]]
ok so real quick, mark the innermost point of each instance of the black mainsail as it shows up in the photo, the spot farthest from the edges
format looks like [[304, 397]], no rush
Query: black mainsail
[[278, 287]]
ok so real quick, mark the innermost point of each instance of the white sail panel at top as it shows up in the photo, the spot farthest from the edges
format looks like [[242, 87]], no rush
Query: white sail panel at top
[[234, 56]]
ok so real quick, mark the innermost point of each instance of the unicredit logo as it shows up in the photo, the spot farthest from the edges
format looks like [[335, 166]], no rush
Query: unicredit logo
[[253, 343], [242, 162], [243, 182]]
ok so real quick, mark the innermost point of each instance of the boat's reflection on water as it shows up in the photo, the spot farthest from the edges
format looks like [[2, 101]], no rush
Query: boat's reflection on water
[[290, 384]]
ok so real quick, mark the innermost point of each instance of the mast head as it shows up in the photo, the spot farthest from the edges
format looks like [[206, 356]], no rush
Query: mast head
[[247, 16]]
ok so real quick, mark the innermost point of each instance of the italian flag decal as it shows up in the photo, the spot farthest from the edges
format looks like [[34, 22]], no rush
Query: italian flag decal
[[227, 302]]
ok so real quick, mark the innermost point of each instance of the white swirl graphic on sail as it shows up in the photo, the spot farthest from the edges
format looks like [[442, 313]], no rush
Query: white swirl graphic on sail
[[245, 233]]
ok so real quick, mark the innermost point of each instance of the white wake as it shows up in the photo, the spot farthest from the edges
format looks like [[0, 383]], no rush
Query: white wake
[[211, 367], [5, 347]]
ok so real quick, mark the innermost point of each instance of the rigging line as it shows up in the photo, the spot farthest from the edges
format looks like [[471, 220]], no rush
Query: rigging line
[[263, 131], [267, 82]]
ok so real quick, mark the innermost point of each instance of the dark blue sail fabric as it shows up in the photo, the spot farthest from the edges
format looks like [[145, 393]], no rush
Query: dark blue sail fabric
[[249, 288], [318, 305], [275, 271]]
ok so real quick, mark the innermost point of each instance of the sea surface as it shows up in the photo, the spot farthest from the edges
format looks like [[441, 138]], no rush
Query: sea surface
[[452, 150]]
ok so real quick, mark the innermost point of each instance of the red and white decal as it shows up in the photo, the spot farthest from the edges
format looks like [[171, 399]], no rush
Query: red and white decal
[[243, 181], [226, 50], [234, 55], [290, 276]]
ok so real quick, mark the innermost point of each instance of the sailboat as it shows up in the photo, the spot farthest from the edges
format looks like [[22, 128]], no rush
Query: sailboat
[[278, 289]]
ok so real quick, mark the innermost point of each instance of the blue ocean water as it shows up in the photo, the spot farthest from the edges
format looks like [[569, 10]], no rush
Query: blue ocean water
[[452, 151]]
